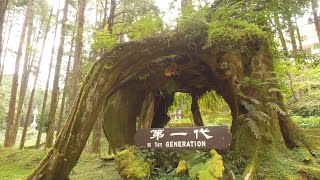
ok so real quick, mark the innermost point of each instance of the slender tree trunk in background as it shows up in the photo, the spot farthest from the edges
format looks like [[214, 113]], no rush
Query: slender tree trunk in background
[[105, 14], [64, 92], [96, 135], [104, 22], [24, 84], [28, 116], [78, 48], [3, 8], [44, 102], [27, 119], [6, 50], [62, 108], [24, 79], [121, 38], [294, 93], [55, 89], [281, 36], [1, 71], [111, 15], [314, 6], [298, 33], [197, 119], [4, 28], [8, 142], [292, 36]]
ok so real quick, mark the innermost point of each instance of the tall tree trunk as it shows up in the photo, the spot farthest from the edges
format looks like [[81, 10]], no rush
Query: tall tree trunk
[[24, 83], [3, 8], [78, 47], [55, 89], [298, 33], [281, 36], [44, 102], [29, 111], [105, 14], [26, 123], [62, 108], [96, 135], [6, 50], [111, 15], [104, 21], [8, 142], [197, 119], [24, 78], [292, 36], [314, 6], [294, 93]]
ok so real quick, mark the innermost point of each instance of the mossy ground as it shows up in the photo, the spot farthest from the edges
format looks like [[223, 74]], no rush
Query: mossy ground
[[294, 164], [17, 164]]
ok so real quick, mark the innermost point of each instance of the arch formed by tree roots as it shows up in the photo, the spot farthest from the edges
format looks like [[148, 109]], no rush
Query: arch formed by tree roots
[[139, 78]]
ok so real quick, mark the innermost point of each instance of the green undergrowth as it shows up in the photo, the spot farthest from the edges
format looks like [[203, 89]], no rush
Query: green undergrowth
[[18, 164], [294, 164], [139, 163], [272, 164], [307, 122]]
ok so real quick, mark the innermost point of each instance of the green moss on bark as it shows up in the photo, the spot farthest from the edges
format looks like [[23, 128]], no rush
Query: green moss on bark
[[130, 166]]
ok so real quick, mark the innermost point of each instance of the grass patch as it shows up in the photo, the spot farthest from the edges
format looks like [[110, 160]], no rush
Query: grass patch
[[18, 164]]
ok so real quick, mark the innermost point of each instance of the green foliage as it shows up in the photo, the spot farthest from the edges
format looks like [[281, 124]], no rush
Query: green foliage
[[103, 40], [235, 34], [254, 127], [276, 107], [309, 122], [192, 16], [2, 107], [305, 108], [200, 164], [162, 161], [213, 108], [145, 26]]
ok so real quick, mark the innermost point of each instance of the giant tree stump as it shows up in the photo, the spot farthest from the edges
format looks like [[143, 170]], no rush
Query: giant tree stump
[[190, 62]]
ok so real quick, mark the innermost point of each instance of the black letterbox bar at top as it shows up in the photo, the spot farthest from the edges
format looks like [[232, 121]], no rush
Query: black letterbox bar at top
[[202, 137]]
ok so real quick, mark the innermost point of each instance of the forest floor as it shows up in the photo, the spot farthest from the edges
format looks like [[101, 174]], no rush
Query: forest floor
[[17, 164]]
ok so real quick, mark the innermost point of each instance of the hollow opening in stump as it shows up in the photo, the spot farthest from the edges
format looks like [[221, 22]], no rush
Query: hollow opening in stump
[[213, 109]]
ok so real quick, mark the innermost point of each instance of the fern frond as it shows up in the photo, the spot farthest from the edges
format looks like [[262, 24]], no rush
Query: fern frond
[[248, 106], [254, 127], [276, 107], [273, 90], [242, 95], [253, 100], [260, 115]]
